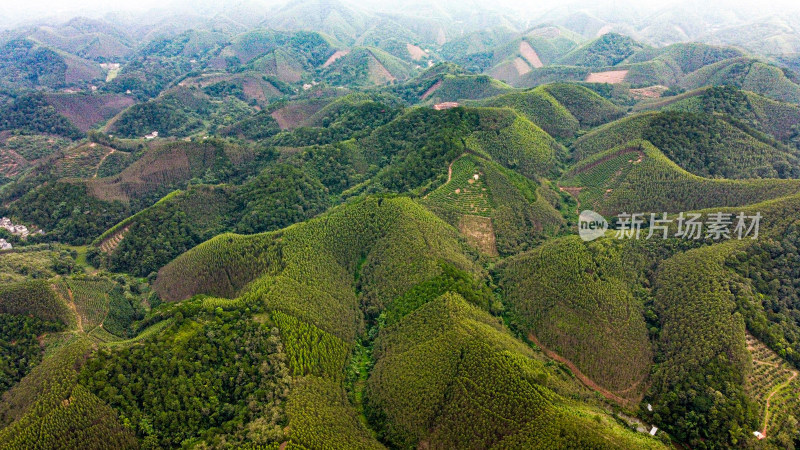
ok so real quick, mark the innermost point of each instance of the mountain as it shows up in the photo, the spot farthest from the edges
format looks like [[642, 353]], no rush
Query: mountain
[[330, 225], [27, 64]]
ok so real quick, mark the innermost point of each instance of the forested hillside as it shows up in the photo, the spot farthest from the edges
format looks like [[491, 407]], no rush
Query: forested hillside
[[325, 225]]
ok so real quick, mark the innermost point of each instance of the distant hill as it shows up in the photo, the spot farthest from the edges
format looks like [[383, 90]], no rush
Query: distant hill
[[87, 38], [749, 74], [775, 118], [560, 109], [366, 66], [27, 64], [331, 17], [608, 50]]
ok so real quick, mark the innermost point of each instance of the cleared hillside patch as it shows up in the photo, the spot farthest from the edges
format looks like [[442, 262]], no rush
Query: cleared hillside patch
[[530, 55], [610, 76]]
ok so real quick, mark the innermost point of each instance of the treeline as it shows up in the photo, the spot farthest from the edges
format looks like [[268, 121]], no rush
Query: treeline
[[34, 298], [709, 146], [698, 387], [770, 264]]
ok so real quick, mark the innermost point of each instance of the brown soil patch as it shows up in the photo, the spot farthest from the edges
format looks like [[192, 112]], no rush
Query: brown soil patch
[[85, 111], [338, 54], [431, 90], [521, 66], [648, 92], [378, 73], [479, 233], [604, 30], [611, 77], [530, 55], [573, 191], [415, 52]]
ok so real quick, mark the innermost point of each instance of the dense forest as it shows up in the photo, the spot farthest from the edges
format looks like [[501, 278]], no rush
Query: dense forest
[[363, 230]]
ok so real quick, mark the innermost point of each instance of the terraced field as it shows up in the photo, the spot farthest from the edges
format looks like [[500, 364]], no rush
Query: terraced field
[[110, 243], [774, 386], [465, 190]]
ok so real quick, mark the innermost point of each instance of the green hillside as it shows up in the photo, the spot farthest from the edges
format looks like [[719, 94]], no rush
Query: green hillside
[[26, 63], [668, 65], [704, 143], [772, 117], [180, 112], [330, 225], [496, 209], [748, 74], [702, 359], [608, 50], [559, 109], [366, 66], [639, 177], [278, 197], [478, 372], [589, 314]]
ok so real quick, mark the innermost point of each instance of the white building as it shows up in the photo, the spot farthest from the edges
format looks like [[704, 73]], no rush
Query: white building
[[20, 230], [5, 245]]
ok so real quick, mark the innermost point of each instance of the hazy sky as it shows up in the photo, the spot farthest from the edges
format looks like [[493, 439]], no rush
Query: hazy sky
[[24, 10]]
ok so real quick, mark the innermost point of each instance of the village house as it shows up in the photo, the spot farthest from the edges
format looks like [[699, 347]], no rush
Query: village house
[[20, 230], [5, 245]]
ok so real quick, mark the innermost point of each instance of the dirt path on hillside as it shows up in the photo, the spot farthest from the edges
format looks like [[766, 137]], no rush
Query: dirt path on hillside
[[431, 90], [336, 55], [578, 374], [97, 169], [449, 171], [71, 305], [769, 397], [573, 191]]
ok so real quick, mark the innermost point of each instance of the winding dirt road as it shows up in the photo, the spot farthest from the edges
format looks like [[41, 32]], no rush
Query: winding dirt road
[[578, 374], [769, 397]]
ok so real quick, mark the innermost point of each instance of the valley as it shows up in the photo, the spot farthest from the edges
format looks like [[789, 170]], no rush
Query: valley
[[324, 225]]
